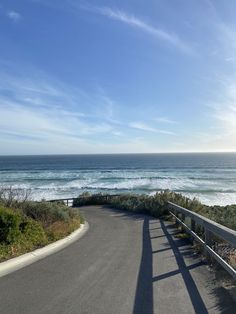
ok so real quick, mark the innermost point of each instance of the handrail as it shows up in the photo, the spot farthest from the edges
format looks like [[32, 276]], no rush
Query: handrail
[[65, 200], [62, 199], [71, 199], [210, 228]]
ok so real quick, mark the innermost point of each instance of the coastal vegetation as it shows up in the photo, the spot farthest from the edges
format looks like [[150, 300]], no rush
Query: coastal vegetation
[[156, 205], [27, 225]]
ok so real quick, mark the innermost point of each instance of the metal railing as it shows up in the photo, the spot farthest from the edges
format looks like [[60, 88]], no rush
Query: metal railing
[[67, 201], [210, 229]]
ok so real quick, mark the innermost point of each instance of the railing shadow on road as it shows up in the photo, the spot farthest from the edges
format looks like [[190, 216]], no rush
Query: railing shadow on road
[[144, 292], [144, 303], [225, 303], [191, 287]]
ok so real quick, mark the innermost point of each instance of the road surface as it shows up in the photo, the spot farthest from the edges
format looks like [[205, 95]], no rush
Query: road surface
[[124, 264]]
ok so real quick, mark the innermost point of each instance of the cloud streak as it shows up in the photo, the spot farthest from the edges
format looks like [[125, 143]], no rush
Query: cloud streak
[[164, 120], [144, 127], [139, 24], [48, 111]]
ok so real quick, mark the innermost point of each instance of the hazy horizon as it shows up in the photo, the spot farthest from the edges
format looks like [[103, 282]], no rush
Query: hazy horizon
[[133, 153]]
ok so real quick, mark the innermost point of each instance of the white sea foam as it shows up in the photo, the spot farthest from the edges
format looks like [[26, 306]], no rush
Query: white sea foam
[[211, 187]]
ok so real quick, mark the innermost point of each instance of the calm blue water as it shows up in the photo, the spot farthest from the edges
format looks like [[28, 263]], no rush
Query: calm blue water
[[209, 177]]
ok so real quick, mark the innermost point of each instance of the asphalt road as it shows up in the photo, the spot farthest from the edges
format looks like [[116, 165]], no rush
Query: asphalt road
[[124, 264]]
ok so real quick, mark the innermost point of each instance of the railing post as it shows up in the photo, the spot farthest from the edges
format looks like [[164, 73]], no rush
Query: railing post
[[208, 242], [183, 219], [208, 237], [176, 214], [193, 227]]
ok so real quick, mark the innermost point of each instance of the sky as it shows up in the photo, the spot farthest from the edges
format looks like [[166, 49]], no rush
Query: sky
[[128, 76]]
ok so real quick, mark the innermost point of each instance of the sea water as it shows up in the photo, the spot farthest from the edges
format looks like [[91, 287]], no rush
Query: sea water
[[210, 177]]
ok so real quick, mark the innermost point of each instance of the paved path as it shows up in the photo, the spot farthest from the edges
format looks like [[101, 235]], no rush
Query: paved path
[[124, 264]]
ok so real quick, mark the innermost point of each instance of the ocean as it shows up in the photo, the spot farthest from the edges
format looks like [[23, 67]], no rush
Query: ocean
[[210, 177]]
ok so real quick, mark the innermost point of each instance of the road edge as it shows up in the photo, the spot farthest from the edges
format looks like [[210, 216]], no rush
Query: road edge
[[24, 260]]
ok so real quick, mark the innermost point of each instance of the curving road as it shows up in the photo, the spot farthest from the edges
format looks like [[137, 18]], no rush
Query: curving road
[[124, 264]]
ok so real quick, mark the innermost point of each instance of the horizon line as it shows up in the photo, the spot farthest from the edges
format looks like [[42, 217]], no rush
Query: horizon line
[[135, 153]]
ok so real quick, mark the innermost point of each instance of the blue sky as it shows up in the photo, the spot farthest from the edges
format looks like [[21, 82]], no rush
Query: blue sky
[[117, 76]]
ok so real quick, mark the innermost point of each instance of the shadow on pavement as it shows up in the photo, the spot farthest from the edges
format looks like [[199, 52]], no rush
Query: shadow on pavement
[[144, 303], [144, 292], [192, 289]]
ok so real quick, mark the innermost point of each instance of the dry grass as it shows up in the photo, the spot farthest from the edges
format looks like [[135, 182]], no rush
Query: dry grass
[[60, 229]]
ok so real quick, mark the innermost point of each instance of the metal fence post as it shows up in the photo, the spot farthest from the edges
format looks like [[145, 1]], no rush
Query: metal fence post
[[193, 227], [183, 219], [208, 242]]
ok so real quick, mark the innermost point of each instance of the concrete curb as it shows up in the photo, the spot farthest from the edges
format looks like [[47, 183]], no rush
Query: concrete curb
[[19, 262]]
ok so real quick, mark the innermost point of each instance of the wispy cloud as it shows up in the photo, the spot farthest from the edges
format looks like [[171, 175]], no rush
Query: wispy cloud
[[137, 23], [221, 134], [164, 120], [226, 49], [225, 111], [46, 110], [14, 16], [32, 120], [144, 127]]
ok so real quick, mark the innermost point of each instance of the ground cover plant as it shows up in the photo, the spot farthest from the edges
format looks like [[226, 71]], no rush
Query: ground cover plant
[[156, 205], [26, 225]]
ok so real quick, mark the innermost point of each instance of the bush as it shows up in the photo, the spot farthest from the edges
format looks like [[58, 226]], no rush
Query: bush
[[86, 199], [9, 225], [48, 213], [32, 231], [28, 225], [15, 227]]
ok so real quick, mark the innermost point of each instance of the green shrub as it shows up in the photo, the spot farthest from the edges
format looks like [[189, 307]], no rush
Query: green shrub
[[32, 231], [47, 212], [30, 225], [86, 199], [9, 225]]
